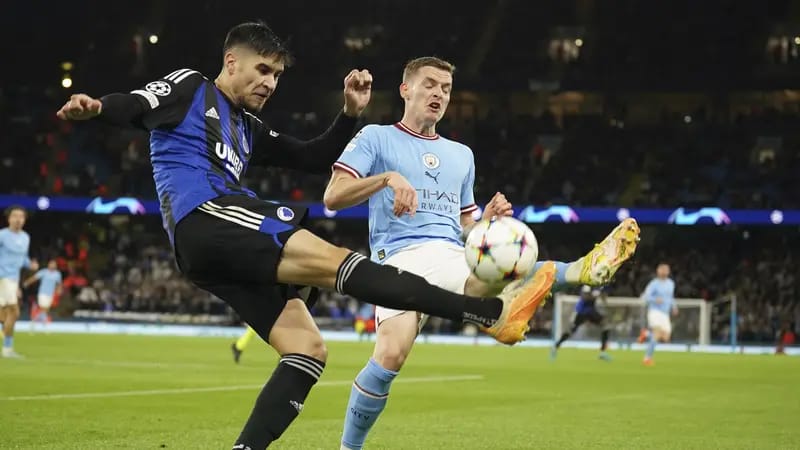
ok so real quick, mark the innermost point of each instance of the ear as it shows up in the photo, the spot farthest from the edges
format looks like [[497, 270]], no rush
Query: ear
[[404, 88], [229, 62]]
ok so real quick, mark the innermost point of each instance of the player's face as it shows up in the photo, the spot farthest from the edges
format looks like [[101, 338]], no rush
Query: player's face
[[256, 78], [52, 265], [662, 271], [427, 93], [16, 220]]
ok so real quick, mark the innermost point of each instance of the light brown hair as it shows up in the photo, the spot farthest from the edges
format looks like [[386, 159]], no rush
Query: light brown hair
[[426, 61]]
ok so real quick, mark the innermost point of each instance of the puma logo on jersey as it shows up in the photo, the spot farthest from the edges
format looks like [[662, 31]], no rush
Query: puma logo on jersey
[[233, 164], [434, 177]]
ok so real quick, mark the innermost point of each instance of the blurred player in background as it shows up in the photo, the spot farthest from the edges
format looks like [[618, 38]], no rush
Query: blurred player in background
[[238, 346], [49, 286], [586, 311], [14, 245], [418, 224], [364, 323], [659, 296]]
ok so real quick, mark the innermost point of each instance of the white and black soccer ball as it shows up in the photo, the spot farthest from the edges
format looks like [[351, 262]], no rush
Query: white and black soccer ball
[[501, 250]]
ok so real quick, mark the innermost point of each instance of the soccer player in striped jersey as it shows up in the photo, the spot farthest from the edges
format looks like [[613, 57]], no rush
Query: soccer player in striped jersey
[[254, 254], [417, 225]]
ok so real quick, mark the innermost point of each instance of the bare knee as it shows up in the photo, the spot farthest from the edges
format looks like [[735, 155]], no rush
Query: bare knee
[[391, 356], [317, 349]]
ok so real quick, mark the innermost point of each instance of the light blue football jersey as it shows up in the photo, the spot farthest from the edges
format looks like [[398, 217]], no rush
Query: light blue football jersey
[[663, 289], [442, 171], [48, 281], [13, 253]]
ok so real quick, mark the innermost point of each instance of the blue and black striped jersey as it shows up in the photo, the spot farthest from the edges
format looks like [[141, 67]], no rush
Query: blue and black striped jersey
[[201, 144]]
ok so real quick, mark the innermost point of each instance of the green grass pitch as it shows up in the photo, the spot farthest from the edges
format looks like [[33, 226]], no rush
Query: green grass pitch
[[136, 392]]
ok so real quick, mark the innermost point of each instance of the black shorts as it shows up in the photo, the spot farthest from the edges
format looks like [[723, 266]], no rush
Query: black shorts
[[591, 316], [231, 246]]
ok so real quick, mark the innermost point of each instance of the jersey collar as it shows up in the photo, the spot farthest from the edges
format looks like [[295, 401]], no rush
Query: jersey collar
[[401, 127]]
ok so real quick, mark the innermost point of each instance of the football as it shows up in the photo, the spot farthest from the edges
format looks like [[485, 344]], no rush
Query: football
[[501, 249]]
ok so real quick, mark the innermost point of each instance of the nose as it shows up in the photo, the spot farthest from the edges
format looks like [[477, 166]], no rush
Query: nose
[[269, 82]]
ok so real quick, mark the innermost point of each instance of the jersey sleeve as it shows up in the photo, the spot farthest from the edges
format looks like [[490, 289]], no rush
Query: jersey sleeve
[[167, 99], [40, 274], [468, 205], [161, 103], [313, 156], [647, 295], [358, 157]]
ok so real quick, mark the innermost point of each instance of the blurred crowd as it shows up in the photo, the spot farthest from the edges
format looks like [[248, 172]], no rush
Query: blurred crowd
[[748, 161], [119, 264]]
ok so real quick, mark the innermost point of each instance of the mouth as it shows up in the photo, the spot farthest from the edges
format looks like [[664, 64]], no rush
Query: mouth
[[435, 106], [262, 96]]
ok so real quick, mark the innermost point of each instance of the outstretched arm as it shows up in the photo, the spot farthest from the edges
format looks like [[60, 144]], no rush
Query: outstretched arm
[[316, 155], [160, 103]]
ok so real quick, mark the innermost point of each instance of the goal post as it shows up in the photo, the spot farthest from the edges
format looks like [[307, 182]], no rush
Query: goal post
[[625, 316]]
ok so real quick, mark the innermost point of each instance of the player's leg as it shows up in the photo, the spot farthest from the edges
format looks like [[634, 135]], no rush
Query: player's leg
[[238, 346], [44, 302], [598, 266], [441, 264], [11, 316], [297, 339], [576, 323], [10, 311], [288, 327], [370, 390], [659, 325], [598, 319], [309, 260]]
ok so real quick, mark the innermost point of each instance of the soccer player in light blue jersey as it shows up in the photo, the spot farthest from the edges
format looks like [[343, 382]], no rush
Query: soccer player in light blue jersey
[[659, 295], [14, 244], [417, 225], [49, 286]]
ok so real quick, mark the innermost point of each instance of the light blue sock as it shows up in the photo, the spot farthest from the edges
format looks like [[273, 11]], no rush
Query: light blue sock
[[561, 272], [367, 399], [8, 342], [651, 346]]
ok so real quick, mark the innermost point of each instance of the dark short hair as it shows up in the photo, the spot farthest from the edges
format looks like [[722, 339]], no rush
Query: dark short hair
[[259, 37], [13, 208]]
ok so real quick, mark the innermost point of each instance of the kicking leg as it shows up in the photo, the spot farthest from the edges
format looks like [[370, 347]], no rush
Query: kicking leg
[[598, 266], [370, 391], [309, 260]]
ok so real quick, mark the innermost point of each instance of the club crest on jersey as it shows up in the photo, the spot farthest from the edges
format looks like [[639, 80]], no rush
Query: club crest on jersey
[[430, 160], [285, 214], [160, 88]]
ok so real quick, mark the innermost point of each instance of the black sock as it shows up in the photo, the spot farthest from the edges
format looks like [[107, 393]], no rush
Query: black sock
[[564, 337], [280, 401], [603, 340], [397, 289]]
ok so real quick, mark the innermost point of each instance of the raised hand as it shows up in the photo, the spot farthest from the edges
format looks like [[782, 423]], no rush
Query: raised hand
[[357, 92]]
